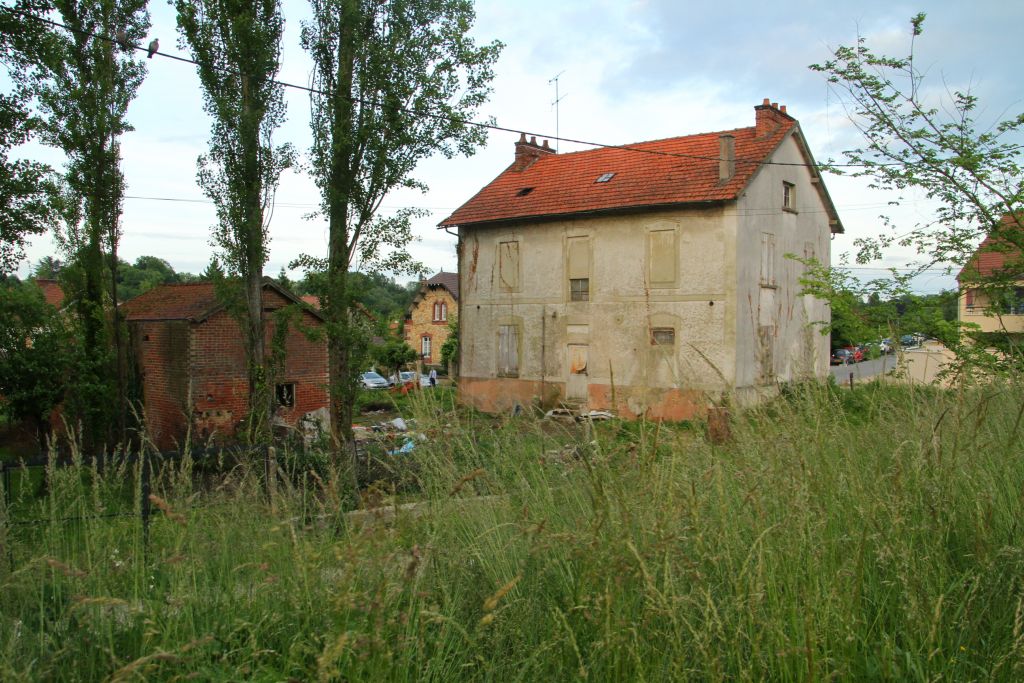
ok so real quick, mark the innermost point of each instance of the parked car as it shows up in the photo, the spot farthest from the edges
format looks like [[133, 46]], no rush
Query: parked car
[[841, 357], [909, 340], [857, 353], [887, 346], [371, 380], [425, 381], [404, 377]]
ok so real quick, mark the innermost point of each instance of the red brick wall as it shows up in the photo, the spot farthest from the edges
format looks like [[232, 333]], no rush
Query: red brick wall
[[207, 360], [161, 354]]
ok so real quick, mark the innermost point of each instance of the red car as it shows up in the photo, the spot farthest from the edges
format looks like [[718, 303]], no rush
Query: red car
[[856, 353]]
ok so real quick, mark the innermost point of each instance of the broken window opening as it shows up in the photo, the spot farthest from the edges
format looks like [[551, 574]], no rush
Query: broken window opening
[[285, 395]]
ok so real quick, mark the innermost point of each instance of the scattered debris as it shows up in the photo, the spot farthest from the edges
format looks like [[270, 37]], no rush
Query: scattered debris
[[566, 415], [560, 414]]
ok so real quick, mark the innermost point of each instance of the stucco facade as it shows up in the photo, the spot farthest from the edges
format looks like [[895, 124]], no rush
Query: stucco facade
[[650, 310], [428, 317]]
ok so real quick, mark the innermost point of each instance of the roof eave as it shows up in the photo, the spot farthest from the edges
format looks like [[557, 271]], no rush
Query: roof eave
[[593, 213]]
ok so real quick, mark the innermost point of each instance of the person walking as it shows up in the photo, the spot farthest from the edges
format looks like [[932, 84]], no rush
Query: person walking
[[433, 377]]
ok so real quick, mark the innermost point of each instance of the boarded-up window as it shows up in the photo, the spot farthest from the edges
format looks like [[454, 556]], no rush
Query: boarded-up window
[[578, 359], [508, 351], [662, 257], [508, 266], [767, 259], [577, 266]]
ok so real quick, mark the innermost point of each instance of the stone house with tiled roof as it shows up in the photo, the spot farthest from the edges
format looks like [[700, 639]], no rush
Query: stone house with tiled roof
[[427, 318], [998, 266], [189, 354], [649, 278]]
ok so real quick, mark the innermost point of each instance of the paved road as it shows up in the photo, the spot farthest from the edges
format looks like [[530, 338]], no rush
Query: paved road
[[864, 369]]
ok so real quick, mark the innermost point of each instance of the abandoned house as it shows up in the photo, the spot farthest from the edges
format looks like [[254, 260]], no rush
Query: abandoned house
[[190, 357], [650, 279], [427, 318]]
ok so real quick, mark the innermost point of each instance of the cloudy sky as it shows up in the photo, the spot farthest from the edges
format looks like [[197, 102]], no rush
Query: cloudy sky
[[631, 70]]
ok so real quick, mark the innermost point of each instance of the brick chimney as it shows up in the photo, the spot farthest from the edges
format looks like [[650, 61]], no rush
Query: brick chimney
[[726, 157], [769, 116], [529, 152]]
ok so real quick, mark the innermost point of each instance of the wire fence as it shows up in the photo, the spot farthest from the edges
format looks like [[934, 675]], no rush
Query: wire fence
[[148, 462]]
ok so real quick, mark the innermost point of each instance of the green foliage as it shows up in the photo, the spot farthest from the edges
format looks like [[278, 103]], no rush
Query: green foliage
[[35, 351], [917, 139], [450, 348], [393, 83], [865, 535], [27, 188], [237, 45], [394, 354]]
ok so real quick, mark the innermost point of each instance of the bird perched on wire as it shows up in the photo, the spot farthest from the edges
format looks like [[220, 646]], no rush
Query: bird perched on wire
[[122, 39], [153, 47]]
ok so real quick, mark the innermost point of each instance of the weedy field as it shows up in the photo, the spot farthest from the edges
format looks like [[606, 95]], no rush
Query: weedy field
[[865, 535]]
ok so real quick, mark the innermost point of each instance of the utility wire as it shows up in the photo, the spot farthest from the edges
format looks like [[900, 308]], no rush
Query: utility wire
[[443, 117]]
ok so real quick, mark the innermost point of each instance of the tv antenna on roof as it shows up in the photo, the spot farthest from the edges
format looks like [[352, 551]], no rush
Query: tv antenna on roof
[[554, 79]]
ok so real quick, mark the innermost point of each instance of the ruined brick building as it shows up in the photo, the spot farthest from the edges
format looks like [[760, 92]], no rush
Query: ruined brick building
[[190, 358]]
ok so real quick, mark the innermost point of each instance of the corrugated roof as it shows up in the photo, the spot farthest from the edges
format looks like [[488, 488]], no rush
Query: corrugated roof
[[680, 170]]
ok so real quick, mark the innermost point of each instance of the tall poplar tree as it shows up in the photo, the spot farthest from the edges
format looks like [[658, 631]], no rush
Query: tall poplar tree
[[26, 187], [92, 73], [237, 44], [394, 81]]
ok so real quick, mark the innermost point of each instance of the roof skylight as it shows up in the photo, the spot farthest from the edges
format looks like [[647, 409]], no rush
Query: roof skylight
[[525, 191], [604, 177]]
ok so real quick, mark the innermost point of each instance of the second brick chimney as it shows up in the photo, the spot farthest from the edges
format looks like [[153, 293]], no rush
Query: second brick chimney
[[769, 116], [529, 152]]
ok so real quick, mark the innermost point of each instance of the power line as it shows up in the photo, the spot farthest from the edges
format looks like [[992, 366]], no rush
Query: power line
[[443, 117]]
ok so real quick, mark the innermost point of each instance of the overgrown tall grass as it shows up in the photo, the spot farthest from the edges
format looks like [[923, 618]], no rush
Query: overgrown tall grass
[[873, 534]]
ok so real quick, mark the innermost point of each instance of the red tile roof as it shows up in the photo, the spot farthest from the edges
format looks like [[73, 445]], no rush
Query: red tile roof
[[187, 301], [680, 170], [993, 256], [190, 301], [52, 292]]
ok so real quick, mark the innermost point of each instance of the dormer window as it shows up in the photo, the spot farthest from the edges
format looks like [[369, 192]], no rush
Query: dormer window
[[604, 177]]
